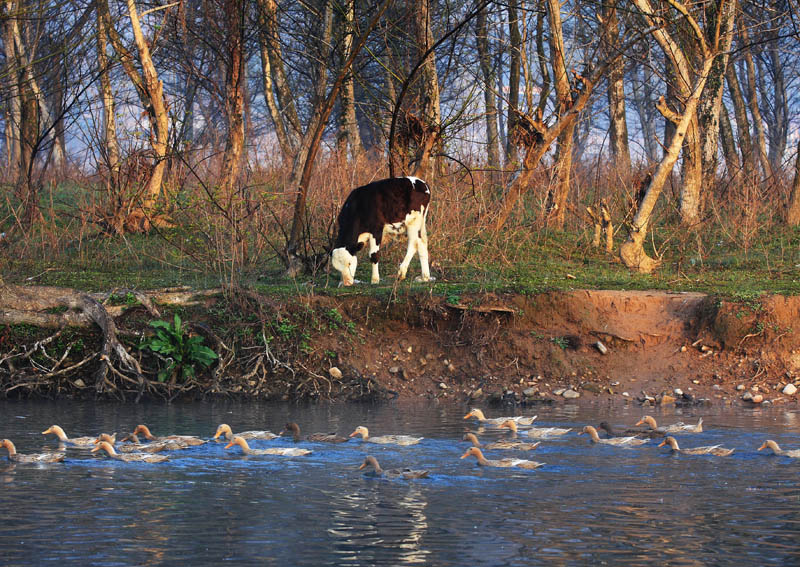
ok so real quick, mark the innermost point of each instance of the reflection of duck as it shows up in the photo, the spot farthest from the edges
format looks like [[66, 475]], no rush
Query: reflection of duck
[[679, 427], [478, 414], [62, 437], [282, 451], [505, 463], [595, 438], [502, 444], [770, 444], [136, 447], [717, 450], [294, 429], [188, 439], [55, 457], [614, 432], [536, 432], [385, 439], [407, 474], [225, 429], [129, 457]]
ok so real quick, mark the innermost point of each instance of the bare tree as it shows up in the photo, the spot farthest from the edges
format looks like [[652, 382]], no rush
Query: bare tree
[[489, 81]]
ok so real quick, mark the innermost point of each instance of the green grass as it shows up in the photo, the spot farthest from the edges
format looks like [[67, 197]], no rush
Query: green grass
[[528, 261]]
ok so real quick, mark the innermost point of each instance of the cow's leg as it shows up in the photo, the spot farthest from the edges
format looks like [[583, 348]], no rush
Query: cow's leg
[[422, 250], [413, 240], [374, 253]]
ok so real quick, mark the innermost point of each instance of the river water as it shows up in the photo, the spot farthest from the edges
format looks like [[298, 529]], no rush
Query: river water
[[588, 505]]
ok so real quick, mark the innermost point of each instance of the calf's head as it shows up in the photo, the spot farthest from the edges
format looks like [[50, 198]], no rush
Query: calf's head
[[345, 262]]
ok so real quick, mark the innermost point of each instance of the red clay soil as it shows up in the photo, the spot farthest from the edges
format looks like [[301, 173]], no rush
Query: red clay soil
[[532, 347]]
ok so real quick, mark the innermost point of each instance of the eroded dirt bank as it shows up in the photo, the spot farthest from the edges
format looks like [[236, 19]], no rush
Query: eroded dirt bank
[[527, 349]]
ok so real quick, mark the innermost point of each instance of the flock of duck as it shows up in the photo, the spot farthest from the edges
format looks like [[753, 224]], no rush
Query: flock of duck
[[152, 448]]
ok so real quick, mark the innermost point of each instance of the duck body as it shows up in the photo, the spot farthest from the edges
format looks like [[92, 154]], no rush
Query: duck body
[[770, 444], [62, 437], [407, 474], [33, 458], [679, 427], [279, 451], [614, 432], [716, 450], [190, 440], [630, 441], [500, 463], [503, 444], [225, 429], [294, 429], [129, 457], [497, 421], [134, 447], [535, 432], [403, 440]]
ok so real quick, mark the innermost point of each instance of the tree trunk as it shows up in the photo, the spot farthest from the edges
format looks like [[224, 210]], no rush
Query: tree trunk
[[429, 96], [110, 142], [557, 196], [779, 124], [618, 124], [742, 122], [487, 69], [752, 95], [728, 143], [234, 97], [277, 92], [515, 46], [14, 117], [349, 137]]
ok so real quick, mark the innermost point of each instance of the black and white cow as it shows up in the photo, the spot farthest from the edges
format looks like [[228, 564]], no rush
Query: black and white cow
[[389, 207]]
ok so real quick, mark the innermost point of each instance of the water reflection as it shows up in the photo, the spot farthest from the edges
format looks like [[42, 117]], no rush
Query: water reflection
[[589, 505]]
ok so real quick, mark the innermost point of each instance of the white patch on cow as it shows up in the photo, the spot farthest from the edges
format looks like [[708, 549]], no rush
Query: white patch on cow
[[413, 180], [346, 263]]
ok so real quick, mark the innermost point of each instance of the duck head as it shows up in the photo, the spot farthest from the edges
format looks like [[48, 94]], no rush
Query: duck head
[[360, 430], [223, 429]]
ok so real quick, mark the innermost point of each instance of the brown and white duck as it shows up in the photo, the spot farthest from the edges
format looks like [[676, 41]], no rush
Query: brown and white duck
[[502, 444], [503, 463], [42, 458], [225, 430], [129, 457], [679, 427], [167, 444], [535, 432], [717, 450], [497, 421], [385, 439], [407, 474], [294, 429], [62, 437], [144, 431], [616, 441], [770, 444], [281, 451], [134, 447], [614, 432]]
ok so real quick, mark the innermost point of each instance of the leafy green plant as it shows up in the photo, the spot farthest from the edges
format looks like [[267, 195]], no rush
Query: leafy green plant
[[183, 352], [560, 342]]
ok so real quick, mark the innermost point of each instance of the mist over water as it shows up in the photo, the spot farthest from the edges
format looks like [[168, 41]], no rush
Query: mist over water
[[589, 504]]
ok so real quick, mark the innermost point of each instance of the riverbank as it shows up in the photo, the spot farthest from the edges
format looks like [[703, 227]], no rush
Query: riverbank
[[638, 346]]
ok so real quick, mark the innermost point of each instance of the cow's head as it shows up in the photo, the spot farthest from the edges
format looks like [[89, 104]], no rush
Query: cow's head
[[345, 262]]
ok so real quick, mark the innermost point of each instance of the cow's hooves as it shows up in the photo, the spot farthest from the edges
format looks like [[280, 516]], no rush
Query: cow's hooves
[[420, 279]]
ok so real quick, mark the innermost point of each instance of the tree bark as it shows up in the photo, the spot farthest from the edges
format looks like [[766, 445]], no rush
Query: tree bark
[[618, 124], [429, 95], [755, 112], [235, 79], [349, 137], [742, 122], [728, 141], [793, 208], [515, 46], [559, 190], [110, 142], [489, 79], [14, 116]]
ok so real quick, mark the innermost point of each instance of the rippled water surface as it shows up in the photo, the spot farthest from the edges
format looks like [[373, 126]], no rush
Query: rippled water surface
[[588, 505]]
